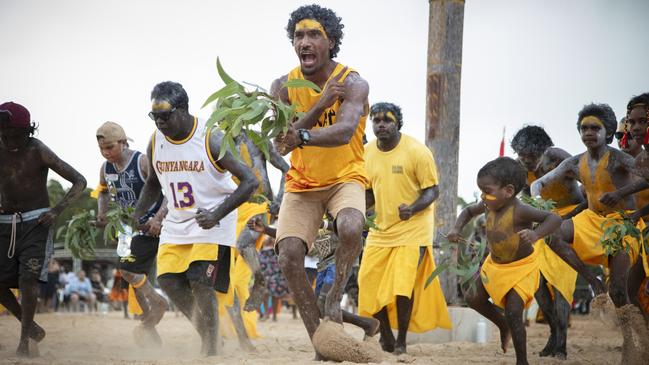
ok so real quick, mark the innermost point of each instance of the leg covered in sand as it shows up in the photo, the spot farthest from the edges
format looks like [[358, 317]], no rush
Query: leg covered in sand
[[556, 312], [246, 244], [24, 312]]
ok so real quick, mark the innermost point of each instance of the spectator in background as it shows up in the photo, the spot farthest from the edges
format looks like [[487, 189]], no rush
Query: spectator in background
[[78, 290]]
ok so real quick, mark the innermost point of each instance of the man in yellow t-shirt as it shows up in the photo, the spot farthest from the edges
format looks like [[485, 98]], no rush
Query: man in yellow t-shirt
[[398, 256], [327, 166]]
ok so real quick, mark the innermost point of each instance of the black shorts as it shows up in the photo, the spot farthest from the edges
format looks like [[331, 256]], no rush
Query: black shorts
[[144, 250], [31, 254], [215, 274]]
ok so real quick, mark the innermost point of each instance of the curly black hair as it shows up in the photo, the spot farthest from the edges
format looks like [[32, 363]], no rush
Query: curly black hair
[[505, 170], [531, 139], [602, 112], [638, 99], [384, 107], [173, 92], [325, 16]]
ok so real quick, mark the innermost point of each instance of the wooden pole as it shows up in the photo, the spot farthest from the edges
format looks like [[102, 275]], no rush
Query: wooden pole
[[446, 20]]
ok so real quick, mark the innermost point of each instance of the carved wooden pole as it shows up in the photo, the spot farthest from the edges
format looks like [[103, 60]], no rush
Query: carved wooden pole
[[446, 21]]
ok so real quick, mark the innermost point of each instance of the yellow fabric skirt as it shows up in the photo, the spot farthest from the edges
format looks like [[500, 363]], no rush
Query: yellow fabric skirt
[[522, 275], [240, 276], [387, 272], [133, 304], [558, 273], [173, 258], [248, 210], [588, 233]]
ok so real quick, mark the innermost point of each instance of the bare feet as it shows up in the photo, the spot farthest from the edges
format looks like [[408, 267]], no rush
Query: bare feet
[[146, 336], [246, 345], [371, 328], [400, 349], [548, 350], [156, 312], [258, 292], [387, 343], [505, 337], [27, 348], [36, 333]]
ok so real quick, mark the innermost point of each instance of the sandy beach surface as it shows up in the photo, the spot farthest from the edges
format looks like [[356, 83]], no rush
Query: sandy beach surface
[[107, 339]]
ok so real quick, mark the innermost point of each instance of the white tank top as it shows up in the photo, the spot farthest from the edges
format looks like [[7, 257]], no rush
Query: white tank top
[[191, 179]]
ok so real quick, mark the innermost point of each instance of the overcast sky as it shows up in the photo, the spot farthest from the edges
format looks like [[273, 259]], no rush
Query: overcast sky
[[76, 64]]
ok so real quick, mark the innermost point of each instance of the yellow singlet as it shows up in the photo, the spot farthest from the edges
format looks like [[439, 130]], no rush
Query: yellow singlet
[[317, 168]]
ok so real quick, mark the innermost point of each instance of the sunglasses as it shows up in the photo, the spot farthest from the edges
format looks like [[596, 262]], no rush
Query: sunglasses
[[161, 115]]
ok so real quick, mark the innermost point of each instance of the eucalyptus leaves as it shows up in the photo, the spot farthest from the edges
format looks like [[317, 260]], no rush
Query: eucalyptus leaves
[[615, 230], [469, 259], [253, 113], [80, 233]]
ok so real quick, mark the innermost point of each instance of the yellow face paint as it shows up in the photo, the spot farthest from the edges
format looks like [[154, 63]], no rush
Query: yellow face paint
[[488, 197], [305, 24], [385, 115], [592, 120], [160, 105]]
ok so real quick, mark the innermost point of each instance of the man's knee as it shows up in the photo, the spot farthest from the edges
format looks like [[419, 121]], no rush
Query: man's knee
[[130, 277], [168, 282], [349, 225], [291, 254], [247, 238]]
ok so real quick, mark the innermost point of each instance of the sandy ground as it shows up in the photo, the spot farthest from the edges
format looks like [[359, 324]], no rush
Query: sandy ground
[[96, 339]]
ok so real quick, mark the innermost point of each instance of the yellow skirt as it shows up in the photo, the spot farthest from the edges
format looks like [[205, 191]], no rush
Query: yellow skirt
[[174, 258], [522, 275], [245, 212], [588, 233], [557, 272], [240, 276], [387, 272]]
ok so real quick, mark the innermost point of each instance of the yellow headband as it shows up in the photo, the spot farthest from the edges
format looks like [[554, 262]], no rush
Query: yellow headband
[[311, 24], [592, 119], [387, 114], [161, 105]]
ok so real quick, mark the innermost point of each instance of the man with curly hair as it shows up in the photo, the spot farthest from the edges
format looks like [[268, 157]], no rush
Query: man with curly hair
[[327, 165], [536, 153], [606, 175]]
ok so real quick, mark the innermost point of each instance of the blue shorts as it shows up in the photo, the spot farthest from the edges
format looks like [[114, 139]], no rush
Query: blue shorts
[[325, 276]]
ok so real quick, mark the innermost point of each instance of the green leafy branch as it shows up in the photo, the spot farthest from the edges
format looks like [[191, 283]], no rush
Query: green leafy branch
[[80, 234], [117, 218], [254, 113], [538, 202], [469, 259], [615, 229], [370, 222]]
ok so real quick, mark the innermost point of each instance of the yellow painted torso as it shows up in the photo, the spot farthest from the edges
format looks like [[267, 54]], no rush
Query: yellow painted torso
[[245, 156], [597, 184], [503, 240]]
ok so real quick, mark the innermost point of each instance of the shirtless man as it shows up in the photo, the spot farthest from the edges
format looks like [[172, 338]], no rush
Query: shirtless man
[[26, 217], [538, 156], [248, 240]]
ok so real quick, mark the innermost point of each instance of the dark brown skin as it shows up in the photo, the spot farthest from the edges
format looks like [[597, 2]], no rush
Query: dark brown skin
[[557, 310], [511, 324], [349, 222], [247, 238], [388, 137], [620, 168], [24, 164], [188, 295]]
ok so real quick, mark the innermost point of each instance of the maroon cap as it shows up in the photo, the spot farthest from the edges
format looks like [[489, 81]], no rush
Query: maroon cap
[[18, 114]]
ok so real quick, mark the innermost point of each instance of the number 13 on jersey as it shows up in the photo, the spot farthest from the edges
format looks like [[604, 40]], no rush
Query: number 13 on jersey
[[183, 195]]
